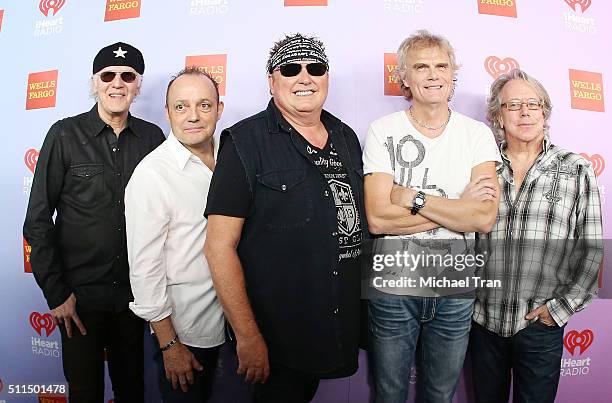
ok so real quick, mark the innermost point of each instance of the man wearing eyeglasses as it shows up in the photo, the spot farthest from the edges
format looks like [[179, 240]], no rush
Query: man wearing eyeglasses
[[545, 249], [286, 222], [79, 260]]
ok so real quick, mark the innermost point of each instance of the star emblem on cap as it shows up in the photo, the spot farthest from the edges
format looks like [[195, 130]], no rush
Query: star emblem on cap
[[120, 52]]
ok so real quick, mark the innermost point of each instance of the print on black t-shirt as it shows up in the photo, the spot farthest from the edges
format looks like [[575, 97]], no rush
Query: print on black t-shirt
[[349, 222]]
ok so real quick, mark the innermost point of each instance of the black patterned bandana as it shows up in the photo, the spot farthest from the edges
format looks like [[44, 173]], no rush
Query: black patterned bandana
[[298, 48]]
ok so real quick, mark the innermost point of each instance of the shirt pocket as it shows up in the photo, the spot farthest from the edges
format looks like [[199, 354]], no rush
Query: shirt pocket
[[87, 182], [285, 199]]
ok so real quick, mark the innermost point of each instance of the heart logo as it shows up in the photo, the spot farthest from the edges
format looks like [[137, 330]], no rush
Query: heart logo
[[597, 161], [496, 67], [582, 341], [583, 4], [45, 5], [31, 158], [40, 322]]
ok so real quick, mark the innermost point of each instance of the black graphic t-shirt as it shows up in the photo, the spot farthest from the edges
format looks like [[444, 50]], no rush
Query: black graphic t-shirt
[[349, 221]]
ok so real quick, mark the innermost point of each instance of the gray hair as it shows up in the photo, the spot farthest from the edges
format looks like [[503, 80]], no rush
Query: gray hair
[[422, 39], [494, 101]]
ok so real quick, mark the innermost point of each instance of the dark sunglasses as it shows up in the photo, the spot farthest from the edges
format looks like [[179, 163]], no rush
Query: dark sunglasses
[[293, 69], [126, 76]]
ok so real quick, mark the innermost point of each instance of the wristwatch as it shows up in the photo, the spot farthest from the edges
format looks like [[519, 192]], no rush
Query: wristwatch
[[418, 202]]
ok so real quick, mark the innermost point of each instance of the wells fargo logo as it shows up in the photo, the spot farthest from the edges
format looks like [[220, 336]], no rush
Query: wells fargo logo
[[31, 158], [41, 90], [305, 3], [586, 90], [40, 322], [597, 161], [55, 398], [505, 8], [578, 340], [215, 65], [392, 85], [1, 16], [121, 9], [579, 4], [496, 66], [50, 5], [27, 251]]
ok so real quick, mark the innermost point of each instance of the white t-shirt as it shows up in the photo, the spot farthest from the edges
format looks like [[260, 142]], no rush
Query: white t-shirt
[[441, 166]]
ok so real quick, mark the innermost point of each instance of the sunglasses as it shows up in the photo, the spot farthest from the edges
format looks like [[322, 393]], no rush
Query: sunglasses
[[126, 76], [293, 69]]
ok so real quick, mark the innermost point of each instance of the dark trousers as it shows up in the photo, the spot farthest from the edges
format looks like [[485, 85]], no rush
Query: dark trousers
[[201, 390], [531, 359], [286, 385], [121, 334]]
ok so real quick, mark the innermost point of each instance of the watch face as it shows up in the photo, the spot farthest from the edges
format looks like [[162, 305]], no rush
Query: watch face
[[419, 201]]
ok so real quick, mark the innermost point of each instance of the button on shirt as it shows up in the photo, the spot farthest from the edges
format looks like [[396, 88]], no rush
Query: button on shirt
[[80, 177], [166, 229], [546, 246]]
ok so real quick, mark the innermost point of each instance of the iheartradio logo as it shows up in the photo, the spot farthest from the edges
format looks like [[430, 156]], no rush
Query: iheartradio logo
[[582, 4], [597, 161], [31, 158], [496, 66], [40, 322], [46, 5], [578, 340]]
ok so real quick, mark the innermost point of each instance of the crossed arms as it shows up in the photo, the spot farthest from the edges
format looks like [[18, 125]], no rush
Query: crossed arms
[[388, 205]]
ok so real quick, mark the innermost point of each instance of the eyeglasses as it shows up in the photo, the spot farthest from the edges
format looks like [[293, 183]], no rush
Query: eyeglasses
[[515, 104], [293, 69], [126, 76]]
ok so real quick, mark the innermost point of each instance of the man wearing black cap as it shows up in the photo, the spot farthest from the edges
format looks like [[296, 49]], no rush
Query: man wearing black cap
[[285, 226], [79, 260]]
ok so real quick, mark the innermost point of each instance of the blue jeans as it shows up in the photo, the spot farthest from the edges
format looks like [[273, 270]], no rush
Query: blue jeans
[[531, 358], [395, 325]]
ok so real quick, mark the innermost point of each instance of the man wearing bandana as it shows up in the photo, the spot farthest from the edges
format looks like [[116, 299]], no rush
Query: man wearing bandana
[[79, 260], [286, 222]]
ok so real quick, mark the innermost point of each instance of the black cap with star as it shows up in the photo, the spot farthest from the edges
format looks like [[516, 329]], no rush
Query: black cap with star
[[119, 54]]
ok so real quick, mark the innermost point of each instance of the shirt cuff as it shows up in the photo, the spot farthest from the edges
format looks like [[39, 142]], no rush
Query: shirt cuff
[[57, 297], [150, 313], [558, 311]]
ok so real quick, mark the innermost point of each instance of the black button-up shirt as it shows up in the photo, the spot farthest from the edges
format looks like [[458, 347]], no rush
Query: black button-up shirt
[[306, 303], [81, 174]]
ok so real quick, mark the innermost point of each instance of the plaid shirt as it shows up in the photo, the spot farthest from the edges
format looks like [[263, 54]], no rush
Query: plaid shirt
[[546, 246]]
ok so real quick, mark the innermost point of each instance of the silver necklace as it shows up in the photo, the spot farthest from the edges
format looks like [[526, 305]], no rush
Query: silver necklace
[[425, 125]]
